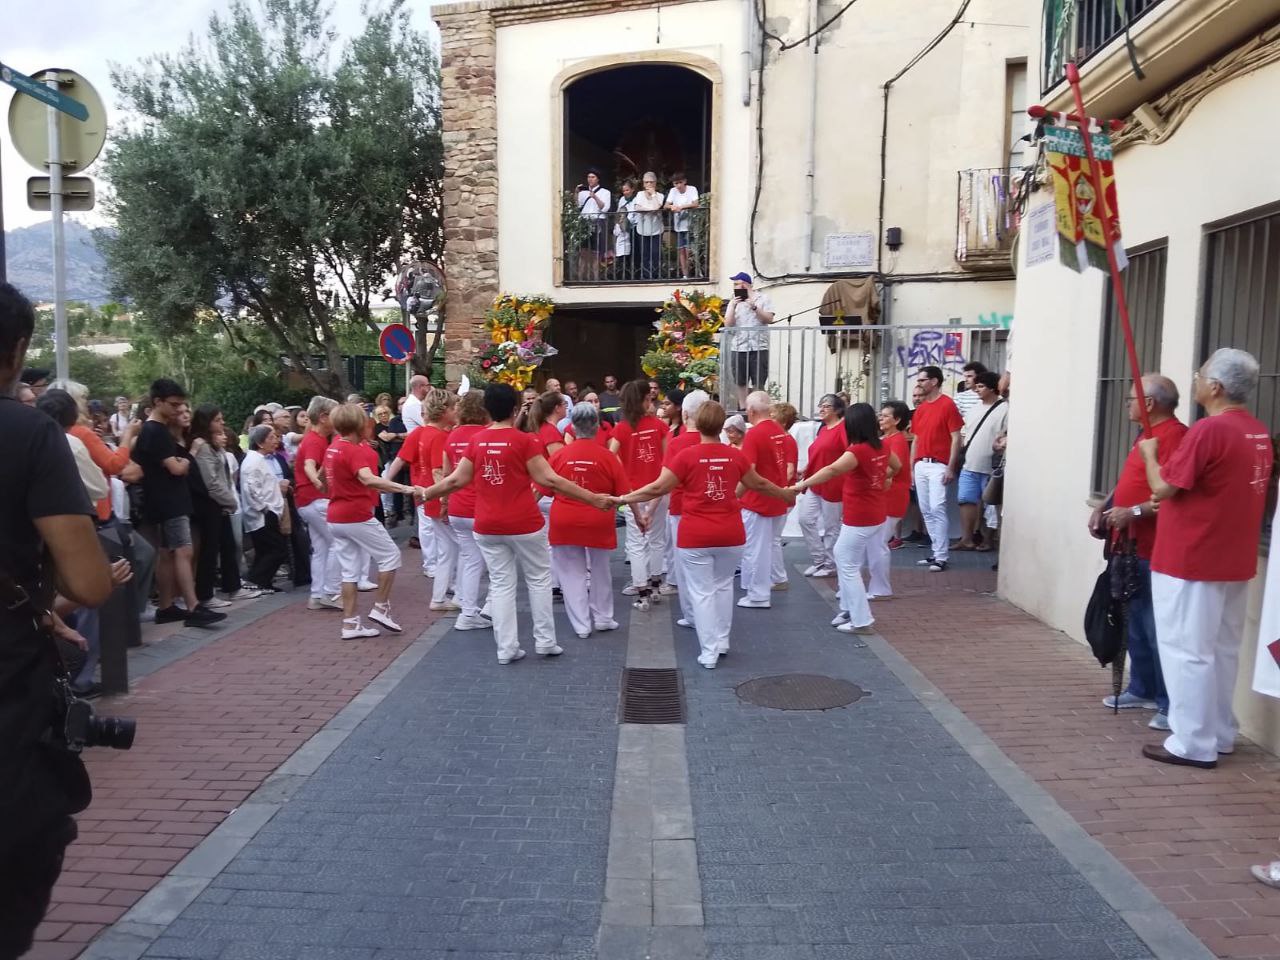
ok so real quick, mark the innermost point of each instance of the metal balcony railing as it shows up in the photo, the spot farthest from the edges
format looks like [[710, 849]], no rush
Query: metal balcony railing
[[1077, 29], [985, 224], [636, 247]]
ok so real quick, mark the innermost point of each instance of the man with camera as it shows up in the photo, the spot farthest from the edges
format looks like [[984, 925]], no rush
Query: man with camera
[[749, 313], [47, 526]]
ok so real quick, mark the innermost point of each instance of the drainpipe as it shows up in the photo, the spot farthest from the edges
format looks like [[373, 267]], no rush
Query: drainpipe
[[748, 48], [810, 176]]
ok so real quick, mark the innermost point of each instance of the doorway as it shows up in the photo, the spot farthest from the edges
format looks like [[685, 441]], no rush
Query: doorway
[[595, 340]]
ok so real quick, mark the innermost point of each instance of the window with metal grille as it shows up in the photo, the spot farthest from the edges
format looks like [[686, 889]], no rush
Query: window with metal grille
[[1144, 289], [1242, 309]]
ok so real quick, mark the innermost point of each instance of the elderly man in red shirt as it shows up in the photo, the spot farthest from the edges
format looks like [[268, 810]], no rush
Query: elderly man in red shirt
[[935, 461], [1211, 495]]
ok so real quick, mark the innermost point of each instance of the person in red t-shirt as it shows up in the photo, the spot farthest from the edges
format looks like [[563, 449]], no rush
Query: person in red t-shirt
[[640, 441], [711, 533], [785, 415], [936, 425], [472, 418], [544, 415], [1130, 523], [765, 448], [1211, 495], [311, 496], [353, 483], [868, 468], [583, 537], [819, 508], [688, 437], [894, 417], [504, 463], [407, 455], [439, 408], [606, 428]]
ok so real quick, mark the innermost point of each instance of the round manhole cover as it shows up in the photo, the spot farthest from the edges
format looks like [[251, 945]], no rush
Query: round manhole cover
[[799, 691]]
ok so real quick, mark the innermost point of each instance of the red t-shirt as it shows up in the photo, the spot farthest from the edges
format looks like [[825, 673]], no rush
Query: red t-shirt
[[690, 438], [933, 423], [765, 447], [602, 436], [864, 492], [825, 450], [409, 453], [428, 457], [312, 447], [640, 449], [504, 497], [350, 501], [712, 517], [578, 524], [1132, 488], [548, 434], [462, 503], [1210, 530], [898, 496]]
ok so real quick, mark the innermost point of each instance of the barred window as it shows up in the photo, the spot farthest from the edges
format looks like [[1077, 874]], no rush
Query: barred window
[[1144, 289], [1242, 309]]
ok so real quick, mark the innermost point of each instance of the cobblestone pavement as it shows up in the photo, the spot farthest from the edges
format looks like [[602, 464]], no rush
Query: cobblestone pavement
[[468, 815]]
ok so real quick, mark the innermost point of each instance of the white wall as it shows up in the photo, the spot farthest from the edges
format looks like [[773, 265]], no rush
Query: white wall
[[1216, 165]]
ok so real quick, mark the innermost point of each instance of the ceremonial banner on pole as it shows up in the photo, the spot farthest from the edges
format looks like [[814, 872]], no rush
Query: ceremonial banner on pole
[[1082, 237]]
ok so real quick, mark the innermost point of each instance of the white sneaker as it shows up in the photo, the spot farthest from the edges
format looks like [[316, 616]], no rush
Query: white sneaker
[[583, 636], [641, 604], [364, 586], [552, 651], [605, 625], [245, 593], [668, 590], [472, 623], [355, 630], [710, 666], [824, 572], [429, 572], [444, 605], [214, 603], [865, 631], [782, 585], [324, 603], [839, 618], [754, 604], [810, 570], [682, 622], [381, 613], [630, 590], [518, 655], [149, 614]]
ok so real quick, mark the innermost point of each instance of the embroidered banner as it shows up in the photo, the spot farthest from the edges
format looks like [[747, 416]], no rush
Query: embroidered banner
[[1078, 209]]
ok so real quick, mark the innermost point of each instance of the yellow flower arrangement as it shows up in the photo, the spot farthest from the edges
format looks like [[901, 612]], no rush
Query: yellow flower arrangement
[[516, 347], [684, 350]]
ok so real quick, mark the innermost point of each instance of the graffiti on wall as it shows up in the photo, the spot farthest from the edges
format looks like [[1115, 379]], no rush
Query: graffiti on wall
[[934, 348], [996, 319]]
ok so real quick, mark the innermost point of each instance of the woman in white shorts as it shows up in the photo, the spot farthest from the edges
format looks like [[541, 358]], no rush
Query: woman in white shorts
[[351, 472]]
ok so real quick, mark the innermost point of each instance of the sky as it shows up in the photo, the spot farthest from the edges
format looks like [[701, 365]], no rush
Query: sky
[[87, 35]]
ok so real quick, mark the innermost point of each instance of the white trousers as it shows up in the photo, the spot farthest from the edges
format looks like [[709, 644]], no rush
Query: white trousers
[[326, 569], [1199, 626], [586, 586], [706, 577], [878, 559], [809, 514], [446, 541], [676, 573], [778, 568], [355, 543], [852, 548], [757, 555], [647, 551], [673, 568], [426, 542], [931, 493], [470, 566], [544, 504], [507, 557]]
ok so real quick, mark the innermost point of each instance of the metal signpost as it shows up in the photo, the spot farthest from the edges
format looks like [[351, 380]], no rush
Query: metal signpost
[[397, 344], [66, 147]]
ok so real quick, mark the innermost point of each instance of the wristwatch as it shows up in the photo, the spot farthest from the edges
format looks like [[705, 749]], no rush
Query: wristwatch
[[1136, 510]]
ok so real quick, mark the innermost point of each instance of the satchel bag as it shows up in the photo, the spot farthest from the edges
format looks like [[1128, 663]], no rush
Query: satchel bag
[[993, 493]]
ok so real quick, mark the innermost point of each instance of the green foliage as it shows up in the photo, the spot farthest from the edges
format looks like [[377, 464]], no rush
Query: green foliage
[[272, 190], [98, 372]]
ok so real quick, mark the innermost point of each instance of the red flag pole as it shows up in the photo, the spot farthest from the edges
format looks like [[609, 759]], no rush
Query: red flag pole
[[1109, 239]]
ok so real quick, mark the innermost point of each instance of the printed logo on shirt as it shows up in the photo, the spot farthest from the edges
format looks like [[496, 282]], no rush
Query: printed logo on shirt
[[646, 447], [1261, 463], [491, 472], [715, 488]]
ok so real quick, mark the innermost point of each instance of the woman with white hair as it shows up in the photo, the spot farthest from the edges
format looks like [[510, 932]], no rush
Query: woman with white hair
[[266, 515], [686, 438], [583, 537], [646, 210]]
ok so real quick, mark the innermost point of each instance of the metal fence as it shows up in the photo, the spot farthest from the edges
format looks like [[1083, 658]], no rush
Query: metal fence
[[636, 247], [1077, 29], [985, 225], [799, 364]]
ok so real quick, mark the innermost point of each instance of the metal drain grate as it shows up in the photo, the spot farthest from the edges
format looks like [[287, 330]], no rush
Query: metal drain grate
[[651, 696], [799, 691]]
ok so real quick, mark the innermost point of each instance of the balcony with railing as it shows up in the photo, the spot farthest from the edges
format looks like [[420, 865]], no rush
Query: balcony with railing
[[631, 247], [985, 218], [1077, 29]]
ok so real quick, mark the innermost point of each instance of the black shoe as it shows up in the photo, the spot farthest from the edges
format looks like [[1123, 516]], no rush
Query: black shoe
[[171, 614], [203, 617]]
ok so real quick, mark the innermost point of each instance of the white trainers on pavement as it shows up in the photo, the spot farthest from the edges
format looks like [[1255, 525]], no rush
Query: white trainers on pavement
[[472, 623], [381, 613], [682, 622], [355, 630], [839, 618], [364, 586], [864, 631], [630, 590], [810, 570], [444, 605], [518, 655], [552, 651], [324, 603], [754, 604], [605, 625], [667, 589]]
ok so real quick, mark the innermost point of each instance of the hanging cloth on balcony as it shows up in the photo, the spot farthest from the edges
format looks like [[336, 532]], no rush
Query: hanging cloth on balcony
[[1128, 40], [853, 302], [1060, 13]]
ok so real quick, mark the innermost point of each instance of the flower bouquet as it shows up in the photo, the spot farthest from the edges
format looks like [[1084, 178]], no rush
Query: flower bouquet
[[515, 347], [683, 351]]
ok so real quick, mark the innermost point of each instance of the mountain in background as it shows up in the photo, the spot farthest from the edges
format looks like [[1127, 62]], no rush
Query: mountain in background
[[29, 255]]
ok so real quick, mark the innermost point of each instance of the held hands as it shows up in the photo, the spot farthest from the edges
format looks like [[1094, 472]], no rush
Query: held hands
[[789, 496]]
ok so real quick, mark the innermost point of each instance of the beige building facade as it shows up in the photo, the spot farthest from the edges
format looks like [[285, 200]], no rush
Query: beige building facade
[[811, 143], [1199, 196]]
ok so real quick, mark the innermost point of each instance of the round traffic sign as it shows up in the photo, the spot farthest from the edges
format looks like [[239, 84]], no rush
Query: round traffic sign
[[81, 140], [396, 343]]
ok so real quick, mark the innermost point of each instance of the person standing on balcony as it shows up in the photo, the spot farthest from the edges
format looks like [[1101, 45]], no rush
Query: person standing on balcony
[[749, 312], [594, 204], [935, 456], [624, 230], [646, 214], [681, 198]]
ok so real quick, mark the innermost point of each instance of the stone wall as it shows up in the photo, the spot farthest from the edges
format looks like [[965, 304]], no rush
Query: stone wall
[[468, 54]]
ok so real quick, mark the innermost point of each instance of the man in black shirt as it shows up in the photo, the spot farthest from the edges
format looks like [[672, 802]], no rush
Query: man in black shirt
[[166, 508], [47, 528]]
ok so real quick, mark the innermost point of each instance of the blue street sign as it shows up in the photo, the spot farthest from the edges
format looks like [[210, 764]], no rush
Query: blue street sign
[[396, 343], [36, 89]]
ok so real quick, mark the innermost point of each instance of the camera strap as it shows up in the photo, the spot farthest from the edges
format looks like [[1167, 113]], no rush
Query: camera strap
[[23, 602]]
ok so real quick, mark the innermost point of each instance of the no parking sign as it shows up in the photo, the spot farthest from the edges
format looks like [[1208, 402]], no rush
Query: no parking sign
[[396, 343]]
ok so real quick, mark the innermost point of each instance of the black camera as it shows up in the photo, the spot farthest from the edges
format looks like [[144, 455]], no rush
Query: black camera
[[82, 727]]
